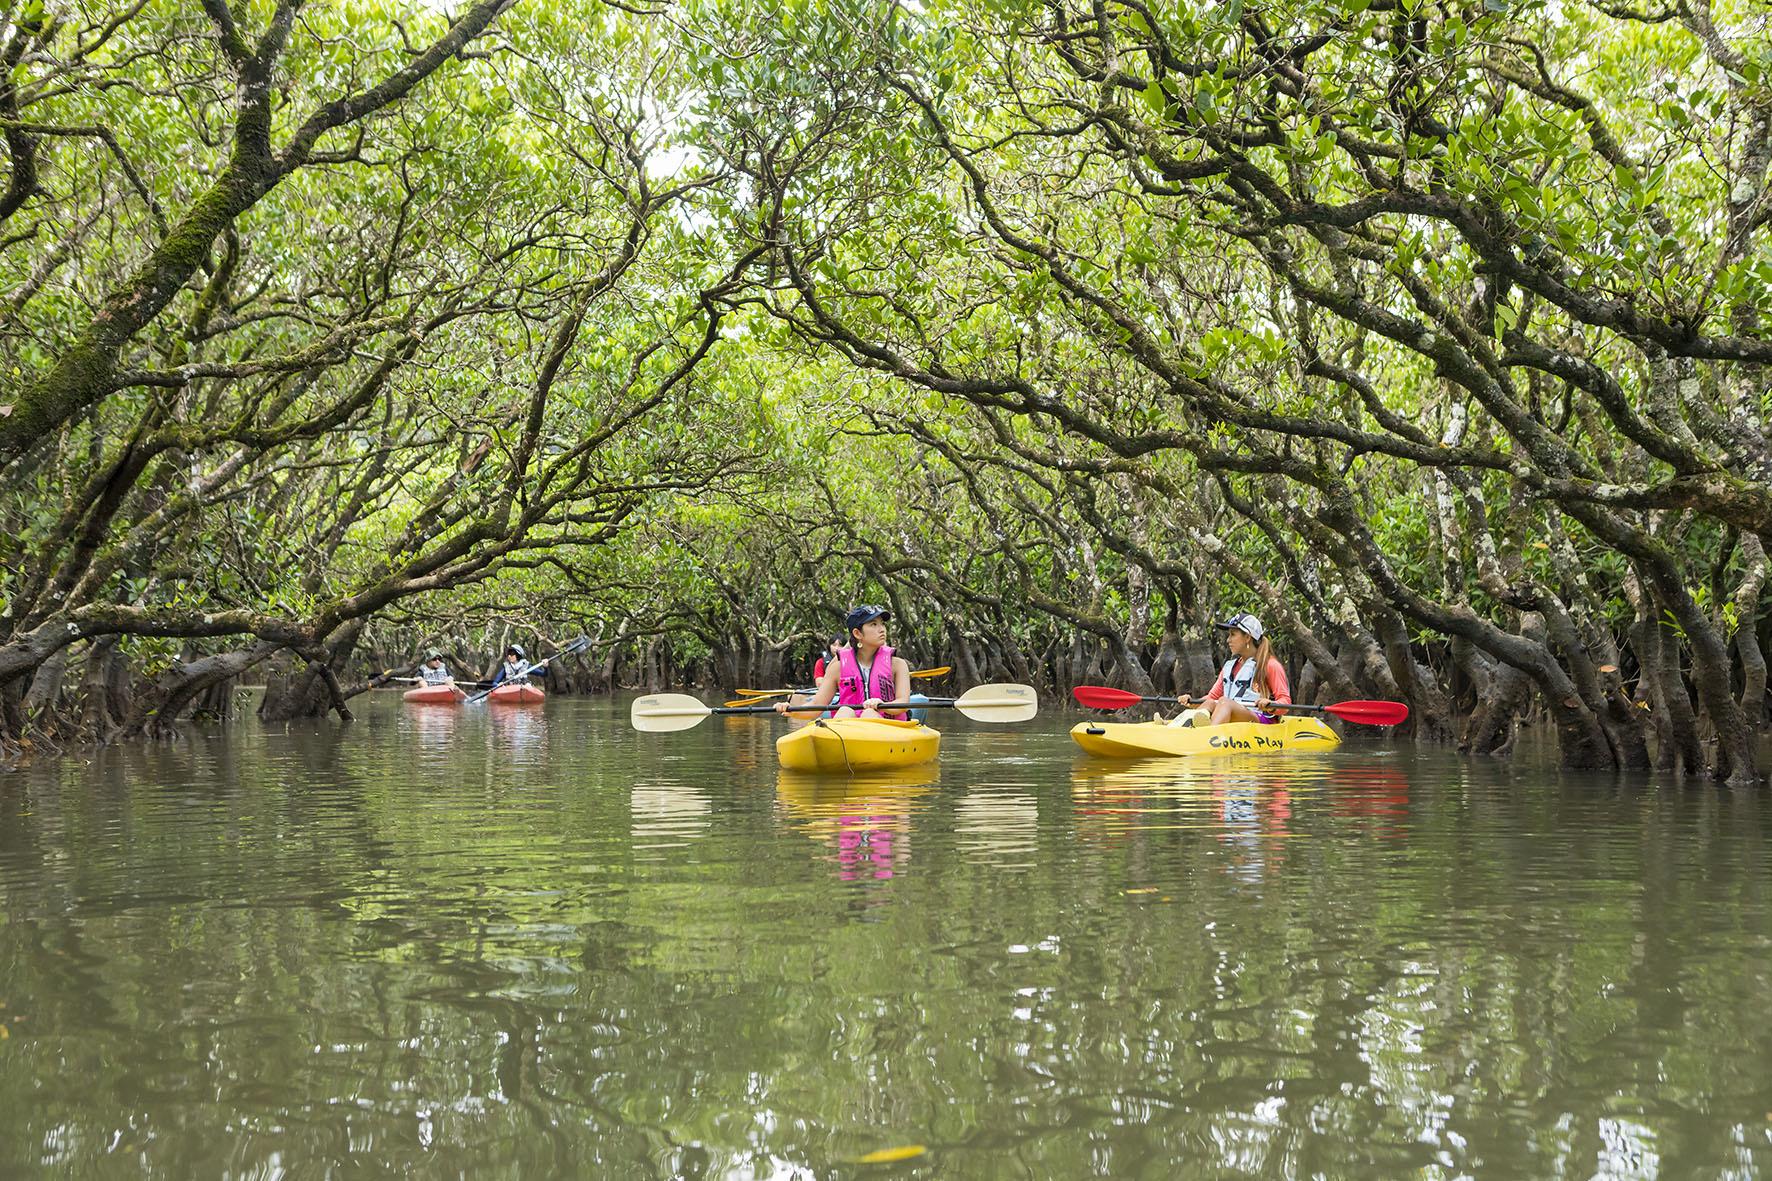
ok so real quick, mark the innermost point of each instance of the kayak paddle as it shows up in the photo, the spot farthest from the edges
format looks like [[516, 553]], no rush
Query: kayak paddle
[[578, 645], [943, 671], [387, 674], [1367, 713], [662, 713]]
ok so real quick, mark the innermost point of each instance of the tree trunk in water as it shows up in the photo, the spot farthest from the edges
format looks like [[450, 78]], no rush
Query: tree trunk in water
[[1430, 714], [1015, 661], [1747, 639], [1167, 661], [46, 685], [313, 689], [102, 706], [156, 709], [1371, 668], [1672, 701], [12, 717], [1494, 727], [604, 679], [1128, 673], [965, 668], [1475, 670], [293, 690]]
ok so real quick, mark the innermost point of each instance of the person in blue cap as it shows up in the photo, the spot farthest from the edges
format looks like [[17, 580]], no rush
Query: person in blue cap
[[865, 673]]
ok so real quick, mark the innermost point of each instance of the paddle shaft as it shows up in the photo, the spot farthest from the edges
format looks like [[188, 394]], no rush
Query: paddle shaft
[[943, 671], [1134, 699], [1366, 713], [387, 675], [934, 702], [661, 713]]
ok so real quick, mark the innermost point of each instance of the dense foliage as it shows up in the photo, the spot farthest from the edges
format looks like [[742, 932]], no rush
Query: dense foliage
[[1433, 332]]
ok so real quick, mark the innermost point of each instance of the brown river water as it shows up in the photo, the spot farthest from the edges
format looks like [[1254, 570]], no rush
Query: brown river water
[[533, 943]]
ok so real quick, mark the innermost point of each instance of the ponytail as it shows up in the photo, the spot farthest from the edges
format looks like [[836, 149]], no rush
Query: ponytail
[[1264, 652]]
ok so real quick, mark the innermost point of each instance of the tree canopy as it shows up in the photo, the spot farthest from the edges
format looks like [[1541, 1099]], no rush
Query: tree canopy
[[1433, 332]]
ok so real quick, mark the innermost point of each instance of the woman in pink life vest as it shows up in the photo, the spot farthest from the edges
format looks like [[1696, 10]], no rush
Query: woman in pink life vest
[[865, 673]]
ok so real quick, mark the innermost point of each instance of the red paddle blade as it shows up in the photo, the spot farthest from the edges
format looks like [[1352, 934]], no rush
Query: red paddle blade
[[1101, 697], [1370, 713]]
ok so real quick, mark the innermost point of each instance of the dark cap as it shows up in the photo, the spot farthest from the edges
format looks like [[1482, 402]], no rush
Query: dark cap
[[860, 615]]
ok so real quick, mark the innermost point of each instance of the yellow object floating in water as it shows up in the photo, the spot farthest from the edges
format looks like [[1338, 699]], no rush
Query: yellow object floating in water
[[1143, 740], [885, 1156], [857, 744]]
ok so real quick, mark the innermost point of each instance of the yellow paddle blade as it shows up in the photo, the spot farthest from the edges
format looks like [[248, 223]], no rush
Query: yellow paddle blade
[[765, 692], [661, 713], [943, 671]]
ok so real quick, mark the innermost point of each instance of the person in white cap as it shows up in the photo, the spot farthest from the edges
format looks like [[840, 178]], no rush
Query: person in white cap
[[1251, 687]]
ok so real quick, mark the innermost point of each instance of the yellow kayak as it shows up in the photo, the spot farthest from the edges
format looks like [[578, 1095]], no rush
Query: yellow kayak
[[1146, 740], [857, 744]]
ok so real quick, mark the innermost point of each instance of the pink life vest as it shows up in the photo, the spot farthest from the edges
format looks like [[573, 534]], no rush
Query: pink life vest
[[850, 690]]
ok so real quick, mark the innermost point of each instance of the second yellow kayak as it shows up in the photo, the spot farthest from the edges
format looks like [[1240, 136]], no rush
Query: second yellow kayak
[[857, 744], [1145, 740]]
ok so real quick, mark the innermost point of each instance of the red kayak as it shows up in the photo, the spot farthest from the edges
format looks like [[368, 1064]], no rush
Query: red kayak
[[516, 694], [435, 695]]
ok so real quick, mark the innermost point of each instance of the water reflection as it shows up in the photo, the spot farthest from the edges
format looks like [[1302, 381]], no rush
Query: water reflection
[[432, 726], [1213, 794], [1373, 796], [516, 732], [667, 814], [998, 824], [864, 819], [284, 952]]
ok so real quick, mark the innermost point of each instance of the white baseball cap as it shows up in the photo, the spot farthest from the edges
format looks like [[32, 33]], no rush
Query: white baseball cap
[[1245, 623]]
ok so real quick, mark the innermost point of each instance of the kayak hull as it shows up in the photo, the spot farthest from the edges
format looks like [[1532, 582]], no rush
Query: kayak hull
[[518, 694], [1155, 740], [435, 695], [849, 745]]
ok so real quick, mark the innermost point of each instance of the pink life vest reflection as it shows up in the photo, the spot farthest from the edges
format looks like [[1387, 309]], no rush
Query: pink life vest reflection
[[865, 822]]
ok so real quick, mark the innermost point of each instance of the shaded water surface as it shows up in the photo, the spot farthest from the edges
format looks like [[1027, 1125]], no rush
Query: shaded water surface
[[533, 943]]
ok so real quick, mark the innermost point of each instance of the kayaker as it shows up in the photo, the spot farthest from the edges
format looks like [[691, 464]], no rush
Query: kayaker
[[837, 644], [434, 671], [514, 668], [1252, 686], [864, 672]]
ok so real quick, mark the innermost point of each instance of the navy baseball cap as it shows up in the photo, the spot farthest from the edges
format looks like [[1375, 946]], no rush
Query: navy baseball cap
[[860, 615]]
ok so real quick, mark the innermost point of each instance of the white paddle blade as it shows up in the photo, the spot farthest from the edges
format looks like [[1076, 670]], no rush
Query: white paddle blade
[[1006, 702], [661, 713]]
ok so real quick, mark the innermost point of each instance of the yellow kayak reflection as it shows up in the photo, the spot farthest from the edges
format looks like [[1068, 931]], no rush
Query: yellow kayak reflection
[[866, 818], [1251, 793]]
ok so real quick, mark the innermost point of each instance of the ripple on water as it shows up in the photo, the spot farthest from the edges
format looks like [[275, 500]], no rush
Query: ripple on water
[[537, 943]]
